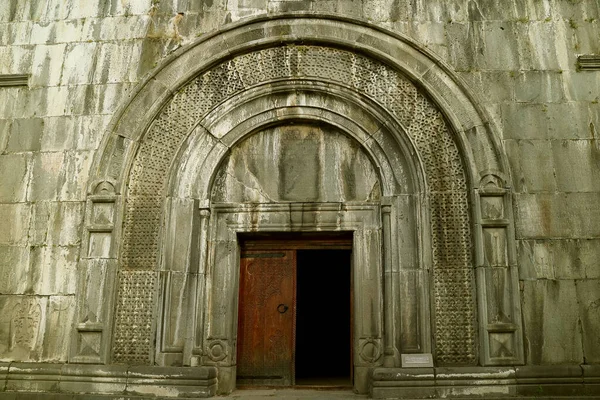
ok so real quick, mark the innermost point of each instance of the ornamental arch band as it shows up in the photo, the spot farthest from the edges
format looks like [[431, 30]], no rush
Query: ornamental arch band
[[301, 124]]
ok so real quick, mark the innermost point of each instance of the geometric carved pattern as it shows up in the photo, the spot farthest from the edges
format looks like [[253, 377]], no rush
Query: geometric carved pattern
[[451, 241], [132, 342], [25, 324]]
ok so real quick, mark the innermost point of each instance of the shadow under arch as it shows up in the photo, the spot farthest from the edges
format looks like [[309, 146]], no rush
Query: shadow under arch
[[451, 137]]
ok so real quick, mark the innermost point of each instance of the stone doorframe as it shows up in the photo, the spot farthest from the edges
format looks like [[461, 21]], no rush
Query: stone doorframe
[[217, 314], [434, 147]]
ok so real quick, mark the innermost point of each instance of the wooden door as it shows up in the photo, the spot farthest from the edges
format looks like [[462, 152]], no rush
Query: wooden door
[[266, 316]]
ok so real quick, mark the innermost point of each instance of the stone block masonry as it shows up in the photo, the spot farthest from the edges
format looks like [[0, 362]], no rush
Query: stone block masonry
[[68, 67]]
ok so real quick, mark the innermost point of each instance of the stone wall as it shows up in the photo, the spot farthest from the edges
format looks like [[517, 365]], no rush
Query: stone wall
[[518, 57]]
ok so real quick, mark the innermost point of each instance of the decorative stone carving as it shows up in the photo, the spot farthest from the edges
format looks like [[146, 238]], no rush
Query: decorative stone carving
[[104, 188], [423, 122], [217, 349], [369, 350], [497, 276], [133, 339], [25, 325]]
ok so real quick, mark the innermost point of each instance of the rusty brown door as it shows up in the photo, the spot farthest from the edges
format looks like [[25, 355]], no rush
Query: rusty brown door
[[266, 316]]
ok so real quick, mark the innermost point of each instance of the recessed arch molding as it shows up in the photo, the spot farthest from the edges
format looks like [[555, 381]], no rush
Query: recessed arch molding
[[444, 215]]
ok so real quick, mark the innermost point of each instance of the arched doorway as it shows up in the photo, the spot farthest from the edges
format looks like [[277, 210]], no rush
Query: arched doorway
[[306, 177], [440, 209]]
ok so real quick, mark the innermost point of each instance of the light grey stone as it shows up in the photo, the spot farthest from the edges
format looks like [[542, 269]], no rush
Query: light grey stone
[[47, 64], [176, 313], [97, 99], [115, 28], [51, 101], [378, 11], [79, 63], [88, 130], [83, 9], [13, 186], [588, 298], [114, 62], [95, 278], [16, 33], [85, 58], [178, 255], [253, 175], [569, 120], [539, 87], [532, 165], [132, 8], [275, 6], [551, 340], [577, 165], [464, 41], [73, 179], [47, 175], [59, 133], [492, 86], [498, 44], [52, 269], [525, 121], [54, 32], [535, 54], [80, 378], [43, 33], [25, 135], [57, 223], [22, 327], [582, 86], [579, 10], [562, 215], [17, 216], [55, 11], [5, 129], [59, 319], [14, 268], [19, 102], [536, 260]]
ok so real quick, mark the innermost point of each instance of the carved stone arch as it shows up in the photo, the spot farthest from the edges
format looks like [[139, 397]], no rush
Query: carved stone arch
[[411, 94], [381, 136]]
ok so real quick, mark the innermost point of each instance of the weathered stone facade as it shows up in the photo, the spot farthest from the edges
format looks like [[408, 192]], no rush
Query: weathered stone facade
[[457, 141]]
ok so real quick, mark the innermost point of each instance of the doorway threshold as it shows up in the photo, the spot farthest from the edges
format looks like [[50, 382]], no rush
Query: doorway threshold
[[293, 393], [325, 383]]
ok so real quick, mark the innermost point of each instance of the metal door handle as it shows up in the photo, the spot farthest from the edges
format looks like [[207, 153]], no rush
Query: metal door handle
[[282, 308]]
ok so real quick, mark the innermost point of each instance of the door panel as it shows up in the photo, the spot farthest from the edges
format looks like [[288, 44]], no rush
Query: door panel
[[266, 317]]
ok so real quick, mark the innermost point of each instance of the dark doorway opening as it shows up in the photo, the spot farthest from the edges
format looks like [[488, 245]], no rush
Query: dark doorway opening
[[323, 355]]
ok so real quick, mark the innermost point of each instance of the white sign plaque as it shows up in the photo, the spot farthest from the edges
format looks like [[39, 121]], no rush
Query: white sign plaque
[[424, 360]]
